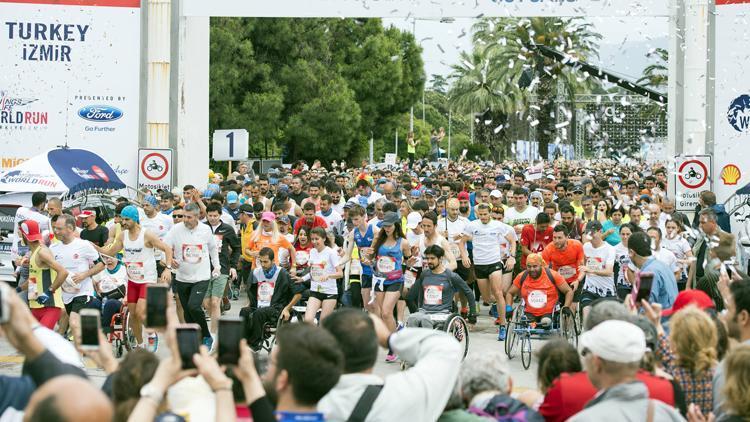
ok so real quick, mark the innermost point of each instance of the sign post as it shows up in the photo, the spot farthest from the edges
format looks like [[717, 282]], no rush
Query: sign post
[[155, 169], [693, 176]]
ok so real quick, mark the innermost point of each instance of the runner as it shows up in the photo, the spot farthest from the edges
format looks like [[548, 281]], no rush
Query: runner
[[598, 267], [679, 246], [46, 276], [139, 245], [452, 227], [360, 240], [158, 224], [535, 237], [623, 276], [195, 246], [229, 253], [494, 251], [566, 257], [324, 272]]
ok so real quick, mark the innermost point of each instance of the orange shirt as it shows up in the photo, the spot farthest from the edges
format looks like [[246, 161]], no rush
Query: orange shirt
[[267, 242], [567, 261], [539, 294]]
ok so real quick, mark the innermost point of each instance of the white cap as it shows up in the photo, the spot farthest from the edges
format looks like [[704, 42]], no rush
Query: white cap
[[615, 341], [496, 193], [413, 220]]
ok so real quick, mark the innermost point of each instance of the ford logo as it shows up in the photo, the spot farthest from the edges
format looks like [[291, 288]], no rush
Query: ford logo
[[100, 113]]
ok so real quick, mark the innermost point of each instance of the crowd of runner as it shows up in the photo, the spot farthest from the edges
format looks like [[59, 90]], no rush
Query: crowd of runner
[[371, 254]]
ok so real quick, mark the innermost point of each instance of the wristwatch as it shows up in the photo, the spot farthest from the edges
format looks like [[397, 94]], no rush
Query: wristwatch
[[152, 392]]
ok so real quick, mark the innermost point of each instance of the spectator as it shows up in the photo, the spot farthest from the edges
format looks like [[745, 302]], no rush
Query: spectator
[[612, 354], [738, 327], [486, 385], [554, 358], [707, 201], [737, 387], [664, 288], [60, 399], [434, 358], [710, 230], [721, 251], [135, 371]]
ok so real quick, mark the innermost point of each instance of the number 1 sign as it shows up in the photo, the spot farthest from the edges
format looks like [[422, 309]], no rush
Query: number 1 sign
[[230, 145]]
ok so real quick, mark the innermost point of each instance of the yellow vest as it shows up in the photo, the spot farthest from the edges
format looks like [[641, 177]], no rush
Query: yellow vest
[[245, 236], [41, 279]]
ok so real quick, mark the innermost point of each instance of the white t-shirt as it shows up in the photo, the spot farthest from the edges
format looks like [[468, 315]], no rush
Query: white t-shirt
[[623, 258], [192, 250], [77, 256], [416, 240], [323, 263], [160, 226], [108, 282], [489, 240], [679, 246], [514, 218], [366, 200], [598, 259], [454, 228], [332, 219], [667, 257]]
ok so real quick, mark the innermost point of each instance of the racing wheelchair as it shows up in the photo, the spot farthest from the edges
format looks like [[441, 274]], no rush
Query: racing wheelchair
[[521, 330], [297, 314], [121, 334]]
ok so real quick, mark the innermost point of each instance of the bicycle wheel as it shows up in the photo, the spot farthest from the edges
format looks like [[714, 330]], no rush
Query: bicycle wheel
[[568, 327], [526, 351], [511, 337], [128, 337], [457, 328]]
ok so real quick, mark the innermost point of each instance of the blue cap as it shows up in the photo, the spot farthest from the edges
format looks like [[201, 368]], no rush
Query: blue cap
[[131, 212], [208, 193], [151, 200], [232, 197], [416, 193]]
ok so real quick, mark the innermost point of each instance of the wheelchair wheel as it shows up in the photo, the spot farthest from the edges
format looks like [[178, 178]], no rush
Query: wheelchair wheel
[[118, 348], [568, 327], [511, 338], [128, 337], [526, 351], [456, 327]]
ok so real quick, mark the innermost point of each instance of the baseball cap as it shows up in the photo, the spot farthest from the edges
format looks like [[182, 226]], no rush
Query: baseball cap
[[640, 243], [536, 194], [496, 194], [592, 226], [429, 192], [208, 193], [415, 193], [463, 196], [577, 189], [87, 214], [390, 218], [268, 216], [690, 297], [232, 197], [30, 230], [349, 205], [246, 209], [413, 220], [615, 341], [283, 219]]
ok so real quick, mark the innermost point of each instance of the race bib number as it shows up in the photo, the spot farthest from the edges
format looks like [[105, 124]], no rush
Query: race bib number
[[317, 272], [70, 286], [265, 292], [433, 295], [386, 264], [301, 258], [107, 284], [595, 263], [219, 238], [567, 271], [410, 277], [456, 252], [135, 271], [192, 254], [537, 299]]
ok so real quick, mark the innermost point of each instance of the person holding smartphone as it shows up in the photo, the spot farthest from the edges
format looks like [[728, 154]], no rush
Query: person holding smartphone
[[140, 264], [664, 286]]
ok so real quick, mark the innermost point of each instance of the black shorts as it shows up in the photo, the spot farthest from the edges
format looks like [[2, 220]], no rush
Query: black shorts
[[483, 272], [78, 303], [393, 287], [323, 296], [366, 281], [588, 298]]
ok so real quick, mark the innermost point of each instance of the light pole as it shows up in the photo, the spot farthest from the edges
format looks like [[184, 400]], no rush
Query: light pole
[[414, 34], [450, 115]]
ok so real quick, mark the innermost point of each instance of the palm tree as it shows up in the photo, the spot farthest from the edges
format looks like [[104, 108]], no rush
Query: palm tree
[[510, 46], [655, 75], [475, 93]]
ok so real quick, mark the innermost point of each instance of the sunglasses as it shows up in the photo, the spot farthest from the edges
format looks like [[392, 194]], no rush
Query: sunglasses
[[176, 216]]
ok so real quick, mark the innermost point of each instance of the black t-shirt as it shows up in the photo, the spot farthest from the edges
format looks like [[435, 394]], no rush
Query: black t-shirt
[[98, 236], [298, 197]]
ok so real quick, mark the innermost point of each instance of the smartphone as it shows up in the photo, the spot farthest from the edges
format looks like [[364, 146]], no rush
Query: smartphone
[[156, 306], [90, 327], [642, 287], [230, 334], [4, 308], [188, 342]]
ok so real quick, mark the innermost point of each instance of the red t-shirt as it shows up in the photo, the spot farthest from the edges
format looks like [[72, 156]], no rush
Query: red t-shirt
[[569, 393], [539, 294], [567, 261], [317, 222], [535, 240]]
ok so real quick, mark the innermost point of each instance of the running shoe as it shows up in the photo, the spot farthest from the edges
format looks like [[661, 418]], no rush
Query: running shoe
[[493, 310], [501, 333], [208, 342], [498, 321], [390, 358], [464, 312], [153, 342]]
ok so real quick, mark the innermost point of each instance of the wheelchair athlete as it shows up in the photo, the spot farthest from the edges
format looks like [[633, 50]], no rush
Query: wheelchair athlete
[[434, 290], [277, 294], [539, 287]]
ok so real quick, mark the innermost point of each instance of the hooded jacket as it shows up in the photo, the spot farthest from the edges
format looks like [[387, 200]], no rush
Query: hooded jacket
[[625, 402]]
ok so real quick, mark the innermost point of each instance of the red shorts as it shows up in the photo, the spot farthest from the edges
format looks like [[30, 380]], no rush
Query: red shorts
[[47, 317], [136, 291]]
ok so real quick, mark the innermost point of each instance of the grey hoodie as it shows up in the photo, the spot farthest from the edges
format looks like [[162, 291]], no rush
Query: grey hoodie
[[625, 402]]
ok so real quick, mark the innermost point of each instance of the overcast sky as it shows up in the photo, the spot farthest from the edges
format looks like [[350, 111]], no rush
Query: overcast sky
[[623, 49]]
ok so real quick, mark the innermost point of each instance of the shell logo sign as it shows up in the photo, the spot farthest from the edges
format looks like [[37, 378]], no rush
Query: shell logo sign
[[730, 174]]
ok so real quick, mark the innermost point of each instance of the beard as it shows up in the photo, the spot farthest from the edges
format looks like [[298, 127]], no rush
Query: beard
[[463, 210], [733, 329], [271, 393]]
